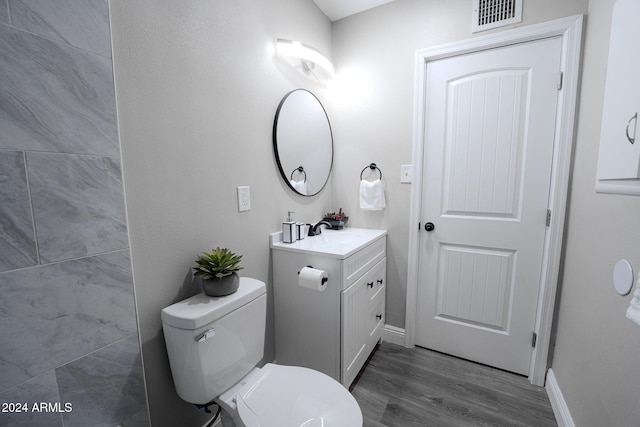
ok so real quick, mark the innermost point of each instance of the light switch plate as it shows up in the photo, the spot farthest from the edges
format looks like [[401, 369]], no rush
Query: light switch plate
[[244, 199], [406, 174]]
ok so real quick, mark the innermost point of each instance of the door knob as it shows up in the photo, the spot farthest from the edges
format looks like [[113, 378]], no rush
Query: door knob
[[429, 226]]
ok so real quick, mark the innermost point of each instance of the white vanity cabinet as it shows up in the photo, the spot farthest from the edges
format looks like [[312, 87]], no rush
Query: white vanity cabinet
[[333, 330]]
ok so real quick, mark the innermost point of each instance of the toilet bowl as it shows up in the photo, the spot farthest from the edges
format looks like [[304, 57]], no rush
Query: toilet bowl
[[214, 346], [276, 396]]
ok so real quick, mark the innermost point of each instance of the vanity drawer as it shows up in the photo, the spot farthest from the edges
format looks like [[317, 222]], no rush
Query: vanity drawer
[[363, 260]]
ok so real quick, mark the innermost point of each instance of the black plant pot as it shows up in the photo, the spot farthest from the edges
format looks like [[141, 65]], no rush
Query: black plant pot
[[221, 286], [337, 224]]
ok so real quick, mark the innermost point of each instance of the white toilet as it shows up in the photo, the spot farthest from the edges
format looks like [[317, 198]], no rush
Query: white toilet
[[214, 345]]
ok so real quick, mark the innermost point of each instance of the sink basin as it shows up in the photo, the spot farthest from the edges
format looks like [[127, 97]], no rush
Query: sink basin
[[335, 238], [331, 242]]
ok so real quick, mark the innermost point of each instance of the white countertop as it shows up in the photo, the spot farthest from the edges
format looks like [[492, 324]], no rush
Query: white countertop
[[341, 243]]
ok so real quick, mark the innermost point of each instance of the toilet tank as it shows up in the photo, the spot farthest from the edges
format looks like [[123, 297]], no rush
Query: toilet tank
[[213, 342]]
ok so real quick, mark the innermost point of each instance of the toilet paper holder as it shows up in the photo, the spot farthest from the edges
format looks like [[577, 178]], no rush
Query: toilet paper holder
[[324, 279]]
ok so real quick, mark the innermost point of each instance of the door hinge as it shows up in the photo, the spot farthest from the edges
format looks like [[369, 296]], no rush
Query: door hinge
[[560, 78], [548, 217], [534, 338]]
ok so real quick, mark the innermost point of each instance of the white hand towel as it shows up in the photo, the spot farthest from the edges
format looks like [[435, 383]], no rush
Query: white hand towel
[[299, 186], [633, 312], [372, 195]]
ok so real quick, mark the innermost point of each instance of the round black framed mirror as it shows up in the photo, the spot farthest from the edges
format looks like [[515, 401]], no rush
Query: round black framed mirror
[[303, 142]]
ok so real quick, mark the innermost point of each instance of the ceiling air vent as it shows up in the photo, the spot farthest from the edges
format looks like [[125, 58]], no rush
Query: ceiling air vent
[[489, 14]]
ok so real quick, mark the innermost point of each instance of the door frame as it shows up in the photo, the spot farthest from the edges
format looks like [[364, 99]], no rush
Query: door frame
[[570, 30]]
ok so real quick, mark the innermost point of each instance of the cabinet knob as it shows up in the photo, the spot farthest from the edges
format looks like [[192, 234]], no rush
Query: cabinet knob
[[380, 281], [370, 284], [379, 316]]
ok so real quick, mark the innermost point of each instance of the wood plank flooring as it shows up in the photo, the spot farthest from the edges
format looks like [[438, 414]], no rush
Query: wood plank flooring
[[419, 387]]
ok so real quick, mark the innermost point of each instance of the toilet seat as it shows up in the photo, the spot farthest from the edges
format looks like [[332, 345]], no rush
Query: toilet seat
[[287, 396]]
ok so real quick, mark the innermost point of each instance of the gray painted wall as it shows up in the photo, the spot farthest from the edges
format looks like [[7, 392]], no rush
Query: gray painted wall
[[69, 333], [597, 347], [198, 86]]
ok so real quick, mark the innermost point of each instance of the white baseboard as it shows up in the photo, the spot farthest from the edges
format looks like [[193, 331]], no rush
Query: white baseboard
[[560, 408], [393, 334]]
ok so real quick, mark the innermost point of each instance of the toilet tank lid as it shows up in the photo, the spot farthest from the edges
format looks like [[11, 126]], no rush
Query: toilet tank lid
[[200, 310]]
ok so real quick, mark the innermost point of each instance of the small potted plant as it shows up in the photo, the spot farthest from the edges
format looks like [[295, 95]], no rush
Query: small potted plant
[[218, 269], [337, 220]]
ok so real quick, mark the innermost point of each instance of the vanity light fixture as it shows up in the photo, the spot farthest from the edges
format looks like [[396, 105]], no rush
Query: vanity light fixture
[[312, 60]]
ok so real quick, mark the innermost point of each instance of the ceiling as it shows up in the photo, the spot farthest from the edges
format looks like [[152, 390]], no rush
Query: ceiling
[[338, 9]]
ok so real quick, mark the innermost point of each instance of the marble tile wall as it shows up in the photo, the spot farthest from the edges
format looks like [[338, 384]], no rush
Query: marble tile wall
[[55, 313], [69, 333], [4, 12], [66, 101], [79, 23], [78, 205], [18, 243], [40, 389], [113, 391]]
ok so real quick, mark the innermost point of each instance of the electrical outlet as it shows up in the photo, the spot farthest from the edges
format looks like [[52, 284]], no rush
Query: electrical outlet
[[406, 172], [244, 199]]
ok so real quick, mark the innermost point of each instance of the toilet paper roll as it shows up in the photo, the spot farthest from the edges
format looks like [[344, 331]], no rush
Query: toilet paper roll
[[312, 278]]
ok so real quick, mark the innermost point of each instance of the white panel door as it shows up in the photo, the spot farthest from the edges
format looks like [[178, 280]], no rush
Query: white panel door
[[488, 152]]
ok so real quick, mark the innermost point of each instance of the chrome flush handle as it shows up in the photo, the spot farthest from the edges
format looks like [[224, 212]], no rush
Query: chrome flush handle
[[209, 333]]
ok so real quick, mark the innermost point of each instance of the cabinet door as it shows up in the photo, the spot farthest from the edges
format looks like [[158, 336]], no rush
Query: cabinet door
[[619, 156], [362, 320], [377, 305]]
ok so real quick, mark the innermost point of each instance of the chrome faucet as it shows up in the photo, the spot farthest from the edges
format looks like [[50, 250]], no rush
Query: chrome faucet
[[314, 230]]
